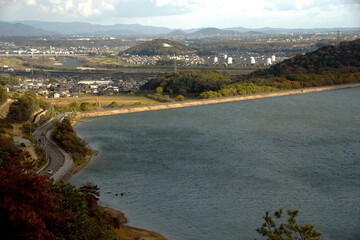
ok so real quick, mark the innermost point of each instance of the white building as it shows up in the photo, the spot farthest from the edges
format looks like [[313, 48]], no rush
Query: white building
[[229, 60], [268, 61], [86, 82], [216, 60], [252, 60], [273, 58]]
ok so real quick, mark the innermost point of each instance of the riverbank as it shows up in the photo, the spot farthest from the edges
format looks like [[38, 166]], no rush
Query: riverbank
[[194, 103]]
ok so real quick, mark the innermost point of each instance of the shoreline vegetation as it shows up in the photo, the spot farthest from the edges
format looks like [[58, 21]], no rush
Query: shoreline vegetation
[[202, 102]]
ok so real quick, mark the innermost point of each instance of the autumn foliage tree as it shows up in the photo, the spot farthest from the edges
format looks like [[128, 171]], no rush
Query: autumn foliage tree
[[28, 209], [3, 95], [66, 136], [34, 208], [22, 109]]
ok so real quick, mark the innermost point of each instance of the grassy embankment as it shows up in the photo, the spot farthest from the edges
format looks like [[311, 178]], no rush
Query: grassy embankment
[[38, 63], [102, 62], [194, 103], [64, 104]]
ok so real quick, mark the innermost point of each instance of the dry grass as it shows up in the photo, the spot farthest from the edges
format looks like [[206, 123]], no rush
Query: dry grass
[[31, 150], [102, 62], [13, 62], [4, 109], [104, 100]]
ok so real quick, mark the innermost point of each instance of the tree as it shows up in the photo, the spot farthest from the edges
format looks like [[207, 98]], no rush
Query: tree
[[28, 210], [86, 106], [179, 98], [51, 112], [8, 80], [3, 95], [33, 208], [287, 231], [22, 109], [159, 90], [87, 223], [113, 104]]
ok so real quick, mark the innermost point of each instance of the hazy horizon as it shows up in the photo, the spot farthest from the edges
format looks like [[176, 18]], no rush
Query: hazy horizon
[[203, 27], [187, 14]]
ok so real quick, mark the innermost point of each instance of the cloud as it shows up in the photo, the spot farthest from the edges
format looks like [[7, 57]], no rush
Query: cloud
[[69, 4], [31, 2], [57, 2], [44, 8], [107, 5], [86, 9], [189, 13]]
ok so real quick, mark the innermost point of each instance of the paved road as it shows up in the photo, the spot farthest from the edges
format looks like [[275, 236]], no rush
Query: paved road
[[56, 157]]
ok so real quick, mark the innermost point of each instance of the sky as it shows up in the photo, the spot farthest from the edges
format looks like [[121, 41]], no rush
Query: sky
[[188, 14]]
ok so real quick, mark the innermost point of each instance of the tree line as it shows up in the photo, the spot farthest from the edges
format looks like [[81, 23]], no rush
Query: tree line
[[66, 136], [189, 82]]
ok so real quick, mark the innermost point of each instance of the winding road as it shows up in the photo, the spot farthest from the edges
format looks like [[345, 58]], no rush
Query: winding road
[[61, 163]]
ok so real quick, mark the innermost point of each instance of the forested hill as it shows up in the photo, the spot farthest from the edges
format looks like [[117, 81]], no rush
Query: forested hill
[[341, 58], [160, 47]]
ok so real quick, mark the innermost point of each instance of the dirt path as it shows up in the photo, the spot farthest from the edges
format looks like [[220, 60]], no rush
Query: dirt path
[[4, 108]]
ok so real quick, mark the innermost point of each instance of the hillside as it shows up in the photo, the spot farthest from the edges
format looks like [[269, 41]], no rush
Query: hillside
[[214, 32], [18, 29], [160, 47], [341, 58], [329, 65]]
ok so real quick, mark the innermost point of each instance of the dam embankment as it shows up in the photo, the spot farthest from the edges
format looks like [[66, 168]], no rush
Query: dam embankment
[[201, 102]]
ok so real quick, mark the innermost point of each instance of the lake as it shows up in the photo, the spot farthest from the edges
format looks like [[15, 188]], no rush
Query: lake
[[211, 172]]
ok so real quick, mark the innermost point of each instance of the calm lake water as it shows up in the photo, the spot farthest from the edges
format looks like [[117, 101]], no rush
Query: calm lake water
[[211, 172]]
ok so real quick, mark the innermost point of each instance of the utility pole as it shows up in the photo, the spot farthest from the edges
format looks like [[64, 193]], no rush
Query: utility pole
[[175, 64]]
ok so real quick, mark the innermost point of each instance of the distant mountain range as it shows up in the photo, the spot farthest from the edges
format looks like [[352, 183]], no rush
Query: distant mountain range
[[19, 29], [38, 28]]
